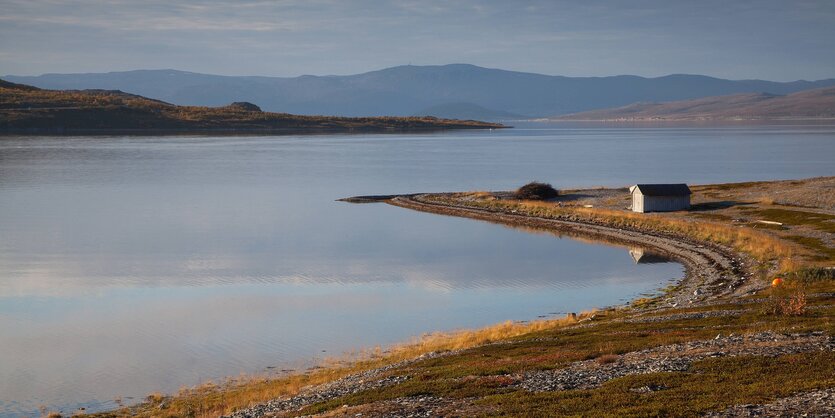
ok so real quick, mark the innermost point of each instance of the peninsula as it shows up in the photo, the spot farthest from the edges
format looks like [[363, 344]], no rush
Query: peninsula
[[749, 330], [30, 110]]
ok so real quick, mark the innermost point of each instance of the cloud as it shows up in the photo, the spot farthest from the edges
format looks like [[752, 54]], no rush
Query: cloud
[[745, 39]]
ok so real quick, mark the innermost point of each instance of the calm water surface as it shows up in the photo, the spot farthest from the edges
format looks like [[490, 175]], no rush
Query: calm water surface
[[130, 265]]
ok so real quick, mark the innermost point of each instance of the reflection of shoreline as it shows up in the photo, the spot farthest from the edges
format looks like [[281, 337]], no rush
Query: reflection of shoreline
[[707, 267], [644, 256], [639, 254]]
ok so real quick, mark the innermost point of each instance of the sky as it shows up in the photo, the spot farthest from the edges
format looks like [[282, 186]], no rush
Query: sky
[[775, 40]]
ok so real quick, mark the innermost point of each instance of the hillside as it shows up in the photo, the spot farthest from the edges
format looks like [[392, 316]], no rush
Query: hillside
[[811, 104], [27, 109], [409, 90]]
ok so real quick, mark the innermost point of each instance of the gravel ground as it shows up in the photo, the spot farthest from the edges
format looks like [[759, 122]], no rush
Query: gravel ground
[[819, 403], [579, 375], [686, 315], [412, 407], [671, 358], [814, 193]]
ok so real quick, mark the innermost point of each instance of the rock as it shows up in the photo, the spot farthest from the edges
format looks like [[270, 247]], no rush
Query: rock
[[820, 403]]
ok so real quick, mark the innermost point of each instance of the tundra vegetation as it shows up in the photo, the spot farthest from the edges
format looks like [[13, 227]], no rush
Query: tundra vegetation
[[27, 109], [484, 372]]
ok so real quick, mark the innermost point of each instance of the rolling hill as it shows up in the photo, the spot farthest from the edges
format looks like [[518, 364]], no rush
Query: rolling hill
[[410, 90], [27, 109], [810, 104]]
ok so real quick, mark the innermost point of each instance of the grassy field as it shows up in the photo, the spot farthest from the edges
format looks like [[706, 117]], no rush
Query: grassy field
[[480, 373]]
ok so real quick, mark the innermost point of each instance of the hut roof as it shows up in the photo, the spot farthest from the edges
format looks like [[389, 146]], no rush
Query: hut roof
[[680, 189]]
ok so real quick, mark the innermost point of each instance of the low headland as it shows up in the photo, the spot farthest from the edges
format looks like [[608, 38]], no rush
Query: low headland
[[747, 332], [808, 105], [30, 110]]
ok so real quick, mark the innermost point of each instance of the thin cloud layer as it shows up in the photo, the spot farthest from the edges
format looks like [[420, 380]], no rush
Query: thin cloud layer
[[746, 39]]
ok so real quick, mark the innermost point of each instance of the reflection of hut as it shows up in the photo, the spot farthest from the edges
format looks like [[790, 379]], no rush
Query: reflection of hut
[[660, 197], [642, 256]]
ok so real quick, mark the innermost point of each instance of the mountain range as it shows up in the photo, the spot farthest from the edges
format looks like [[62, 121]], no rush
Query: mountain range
[[808, 104], [444, 91]]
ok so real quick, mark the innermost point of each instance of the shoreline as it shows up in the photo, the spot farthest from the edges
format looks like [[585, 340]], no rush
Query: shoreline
[[711, 271], [70, 132], [723, 291]]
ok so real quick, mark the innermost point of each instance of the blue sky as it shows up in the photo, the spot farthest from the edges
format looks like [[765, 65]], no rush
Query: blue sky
[[776, 40]]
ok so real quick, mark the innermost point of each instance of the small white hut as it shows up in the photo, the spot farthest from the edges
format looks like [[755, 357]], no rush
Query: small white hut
[[660, 197]]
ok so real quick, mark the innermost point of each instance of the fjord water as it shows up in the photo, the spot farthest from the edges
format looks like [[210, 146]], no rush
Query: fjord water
[[135, 264]]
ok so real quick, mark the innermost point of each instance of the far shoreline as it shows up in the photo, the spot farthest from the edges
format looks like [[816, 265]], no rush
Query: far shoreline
[[49, 132]]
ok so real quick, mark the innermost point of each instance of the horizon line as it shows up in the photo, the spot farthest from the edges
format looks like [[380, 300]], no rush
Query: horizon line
[[411, 65]]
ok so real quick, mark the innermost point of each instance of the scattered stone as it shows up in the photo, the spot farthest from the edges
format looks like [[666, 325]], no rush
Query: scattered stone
[[686, 315], [820, 403], [671, 358], [648, 388]]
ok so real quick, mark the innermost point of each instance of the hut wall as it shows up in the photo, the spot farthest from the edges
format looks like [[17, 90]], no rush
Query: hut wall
[[665, 203]]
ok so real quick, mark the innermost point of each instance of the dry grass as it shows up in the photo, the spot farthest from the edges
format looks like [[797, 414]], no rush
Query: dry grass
[[470, 338], [477, 195], [211, 400], [607, 358], [155, 397]]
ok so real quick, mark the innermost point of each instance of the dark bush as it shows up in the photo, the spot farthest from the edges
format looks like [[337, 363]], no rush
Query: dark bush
[[536, 191], [815, 274], [246, 106]]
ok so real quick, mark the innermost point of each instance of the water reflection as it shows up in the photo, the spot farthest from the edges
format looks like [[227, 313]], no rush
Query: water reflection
[[644, 256], [639, 254], [131, 265], [82, 334]]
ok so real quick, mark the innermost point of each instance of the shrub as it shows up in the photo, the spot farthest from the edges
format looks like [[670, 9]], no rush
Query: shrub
[[536, 191], [786, 300], [794, 305], [815, 274]]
